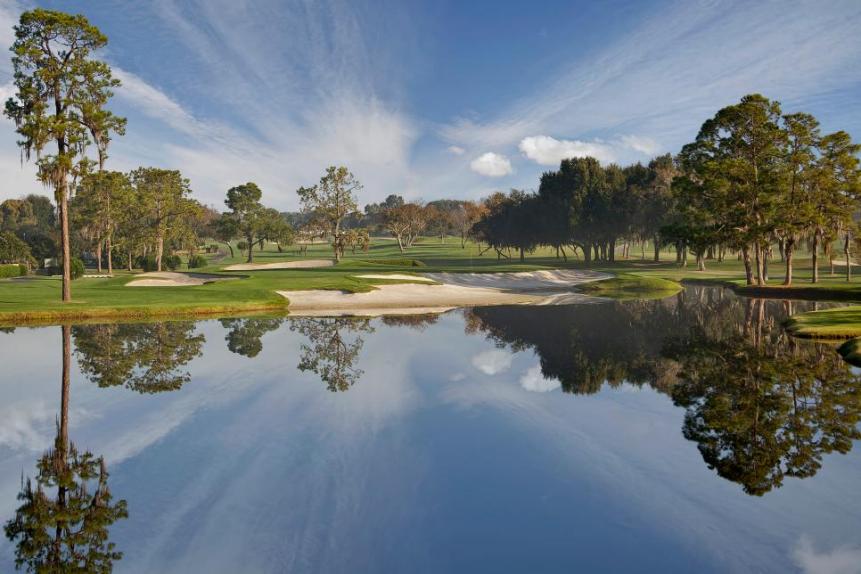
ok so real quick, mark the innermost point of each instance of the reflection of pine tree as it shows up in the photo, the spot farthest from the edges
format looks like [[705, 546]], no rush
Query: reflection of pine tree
[[145, 357], [244, 337], [762, 406], [328, 353], [62, 523]]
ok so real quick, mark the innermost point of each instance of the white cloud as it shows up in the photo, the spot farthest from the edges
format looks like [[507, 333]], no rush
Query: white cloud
[[492, 362], [456, 150], [547, 150], [532, 380], [841, 560], [491, 164], [644, 145]]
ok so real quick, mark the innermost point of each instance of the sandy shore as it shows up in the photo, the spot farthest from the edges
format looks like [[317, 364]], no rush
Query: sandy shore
[[172, 279], [453, 290], [305, 264]]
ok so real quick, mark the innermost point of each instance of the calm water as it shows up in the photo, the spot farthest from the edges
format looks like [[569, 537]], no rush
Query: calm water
[[683, 435]]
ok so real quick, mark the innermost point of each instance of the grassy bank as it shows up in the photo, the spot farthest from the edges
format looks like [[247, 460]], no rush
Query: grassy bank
[[37, 299]]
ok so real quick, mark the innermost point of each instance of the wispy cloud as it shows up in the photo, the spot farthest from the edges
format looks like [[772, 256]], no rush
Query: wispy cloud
[[666, 76]]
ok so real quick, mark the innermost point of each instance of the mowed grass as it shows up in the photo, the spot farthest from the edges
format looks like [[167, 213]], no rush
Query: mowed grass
[[837, 323], [37, 298]]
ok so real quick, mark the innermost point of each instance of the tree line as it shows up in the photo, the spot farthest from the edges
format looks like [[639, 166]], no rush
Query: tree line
[[753, 180]]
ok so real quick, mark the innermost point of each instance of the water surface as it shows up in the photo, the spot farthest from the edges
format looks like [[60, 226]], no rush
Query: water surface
[[688, 434]]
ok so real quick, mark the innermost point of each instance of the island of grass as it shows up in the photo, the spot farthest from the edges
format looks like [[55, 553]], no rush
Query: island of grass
[[632, 286]]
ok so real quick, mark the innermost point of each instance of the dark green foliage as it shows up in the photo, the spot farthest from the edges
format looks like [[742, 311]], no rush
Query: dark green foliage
[[77, 268], [172, 262], [242, 245], [147, 263], [197, 261], [13, 250], [12, 270]]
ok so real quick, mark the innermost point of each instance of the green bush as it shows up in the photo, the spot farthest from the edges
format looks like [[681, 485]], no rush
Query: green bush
[[171, 262], [147, 263], [242, 245], [196, 261], [12, 270], [77, 268]]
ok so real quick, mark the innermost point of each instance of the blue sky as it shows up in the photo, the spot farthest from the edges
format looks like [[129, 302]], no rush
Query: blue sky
[[442, 99]]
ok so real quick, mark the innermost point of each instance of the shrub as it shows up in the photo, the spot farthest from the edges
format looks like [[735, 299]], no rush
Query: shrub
[[196, 261], [12, 270], [147, 263], [171, 262], [77, 268], [242, 246]]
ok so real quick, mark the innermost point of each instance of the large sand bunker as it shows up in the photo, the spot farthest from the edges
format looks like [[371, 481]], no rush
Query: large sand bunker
[[172, 279], [454, 290], [305, 264]]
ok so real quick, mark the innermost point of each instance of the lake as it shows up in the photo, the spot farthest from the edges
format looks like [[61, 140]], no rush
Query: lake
[[690, 434]]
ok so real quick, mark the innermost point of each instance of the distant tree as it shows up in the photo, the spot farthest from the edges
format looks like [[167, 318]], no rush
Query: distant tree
[[59, 84], [13, 250], [247, 211], [406, 223], [163, 198], [330, 201], [98, 202], [274, 228]]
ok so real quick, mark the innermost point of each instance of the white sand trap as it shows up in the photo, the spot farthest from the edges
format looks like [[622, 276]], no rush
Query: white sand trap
[[172, 279], [455, 290], [521, 281], [305, 264], [396, 277]]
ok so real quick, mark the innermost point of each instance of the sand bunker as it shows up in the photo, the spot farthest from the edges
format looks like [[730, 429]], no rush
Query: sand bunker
[[306, 264], [396, 277], [454, 290], [172, 279]]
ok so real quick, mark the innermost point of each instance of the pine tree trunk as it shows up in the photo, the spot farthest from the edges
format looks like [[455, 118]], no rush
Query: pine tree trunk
[[159, 251], [847, 246], [64, 239], [109, 246], [748, 272], [99, 255], [788, 247], [815, 257], [657, 250]]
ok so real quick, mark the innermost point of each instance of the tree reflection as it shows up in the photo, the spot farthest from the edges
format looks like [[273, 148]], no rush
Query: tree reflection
[[329, 352], [63, 520], [244, 335], [759, 404], [144, 357]]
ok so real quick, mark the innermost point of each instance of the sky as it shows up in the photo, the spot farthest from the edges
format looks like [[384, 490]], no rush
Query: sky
[[444, 98]]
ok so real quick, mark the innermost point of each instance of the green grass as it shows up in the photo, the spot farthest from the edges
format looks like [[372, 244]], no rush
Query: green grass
[[37, 299], [838, 323], [631, 286]]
